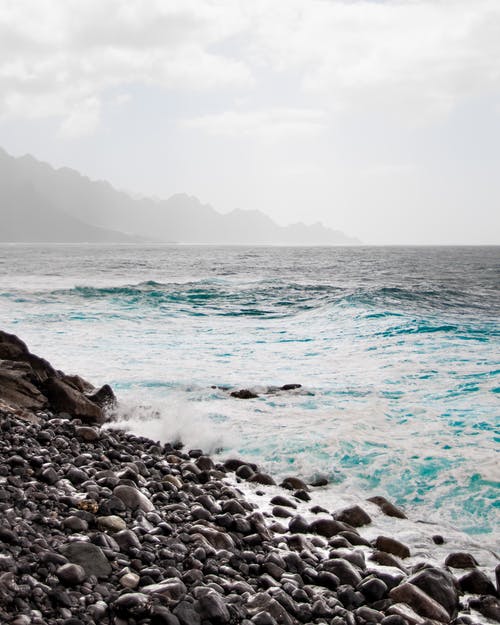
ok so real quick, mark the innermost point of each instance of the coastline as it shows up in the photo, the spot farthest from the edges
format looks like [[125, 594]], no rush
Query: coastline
[[104, 526]]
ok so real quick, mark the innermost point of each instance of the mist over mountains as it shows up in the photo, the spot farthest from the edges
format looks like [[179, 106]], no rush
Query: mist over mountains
[[41, 204]]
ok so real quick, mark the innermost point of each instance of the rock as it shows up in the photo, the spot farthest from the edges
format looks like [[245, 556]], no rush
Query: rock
[[298, 525], [460, 560], [49, 475], [388, 508], [71, 574], [187, 614], [290, 387], [420, 602], [17, 387], [87, 434], [104, 397], [355, 516], [64, 398], [294, 483], [344, 570], [12, 348], [244, 471], [131, 603], [75, 524], [373, 589], [404, 611], [244, 393], [170, 589], [126, 540], [488, 606], [133, 498], [213, 609], [111, 523], [438, 584], [391, 545], [89, 556], [326, 527], [477, 583], [261, 478], [130, 580]]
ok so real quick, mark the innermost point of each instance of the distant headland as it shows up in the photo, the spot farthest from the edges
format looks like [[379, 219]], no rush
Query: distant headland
[[41, 204]]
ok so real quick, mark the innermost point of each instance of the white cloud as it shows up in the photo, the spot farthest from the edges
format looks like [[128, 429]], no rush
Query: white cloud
[[416, 57], [269, 124], [82, 120]]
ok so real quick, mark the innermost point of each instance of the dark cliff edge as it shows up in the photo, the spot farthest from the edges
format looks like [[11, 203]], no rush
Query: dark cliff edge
[[99, 526]]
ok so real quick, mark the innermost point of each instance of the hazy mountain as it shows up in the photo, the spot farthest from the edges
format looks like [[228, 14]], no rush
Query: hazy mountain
[[40, 203]]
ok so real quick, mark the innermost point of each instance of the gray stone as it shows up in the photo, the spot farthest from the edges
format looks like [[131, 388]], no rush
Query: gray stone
[[111, 523], [71, 574], [89, 556], [133, 498], [355, 516]]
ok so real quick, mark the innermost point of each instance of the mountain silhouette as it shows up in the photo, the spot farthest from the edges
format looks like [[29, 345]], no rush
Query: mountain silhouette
[[39, 203]]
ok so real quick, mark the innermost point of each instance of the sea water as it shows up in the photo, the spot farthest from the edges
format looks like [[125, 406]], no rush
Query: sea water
[[396, 349]]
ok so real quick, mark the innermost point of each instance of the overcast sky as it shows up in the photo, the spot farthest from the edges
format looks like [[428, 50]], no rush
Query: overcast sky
[[379, 118]]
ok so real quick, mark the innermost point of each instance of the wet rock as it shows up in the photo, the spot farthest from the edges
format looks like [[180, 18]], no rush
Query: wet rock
[[460, 560], [71, 574], [261, 478], [388, 508], [355, 516], [373, 588], [133, 498], [403, 611], [477, 582], [326, 527], [420, 602], [104, 397], [488, 606], [344, 570], [244, 393], [391, 545], [438, 584], [89, 556], [294, 483], [279, 500]]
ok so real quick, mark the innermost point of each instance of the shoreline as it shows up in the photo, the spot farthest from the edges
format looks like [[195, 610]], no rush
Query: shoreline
[[105, 526]]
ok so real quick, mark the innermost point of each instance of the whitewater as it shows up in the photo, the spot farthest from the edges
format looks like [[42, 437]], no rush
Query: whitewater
[[396, 350]]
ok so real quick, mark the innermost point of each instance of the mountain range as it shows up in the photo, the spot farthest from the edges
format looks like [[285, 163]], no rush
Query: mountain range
[[39, 203]]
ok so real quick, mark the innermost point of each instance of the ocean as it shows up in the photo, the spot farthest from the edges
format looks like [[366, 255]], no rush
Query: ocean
[[396, 350]]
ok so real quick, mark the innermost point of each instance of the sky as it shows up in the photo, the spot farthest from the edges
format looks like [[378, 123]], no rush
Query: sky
[[380, 118]]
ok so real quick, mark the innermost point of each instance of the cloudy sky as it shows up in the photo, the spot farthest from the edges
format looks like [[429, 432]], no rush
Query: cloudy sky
[[377, 117]]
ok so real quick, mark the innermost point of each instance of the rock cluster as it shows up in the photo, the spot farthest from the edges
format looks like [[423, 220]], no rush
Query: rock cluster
[[29, 383], [100, 526]]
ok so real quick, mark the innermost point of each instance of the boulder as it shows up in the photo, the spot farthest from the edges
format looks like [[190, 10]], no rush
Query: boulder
[[438, 584], [477, 583], [387, 507], [294, 483], [17, 387], [244, 393], [65, 398], [391, 545], [420, 602], [355, 516], [460, 560]]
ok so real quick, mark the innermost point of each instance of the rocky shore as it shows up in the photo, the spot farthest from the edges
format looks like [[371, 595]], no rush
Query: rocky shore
[[101, 526]]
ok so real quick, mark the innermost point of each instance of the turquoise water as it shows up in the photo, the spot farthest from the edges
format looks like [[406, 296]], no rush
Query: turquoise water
[[396, 348]]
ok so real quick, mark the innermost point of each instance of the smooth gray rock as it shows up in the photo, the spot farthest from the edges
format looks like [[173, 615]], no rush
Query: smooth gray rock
[[89, 556]]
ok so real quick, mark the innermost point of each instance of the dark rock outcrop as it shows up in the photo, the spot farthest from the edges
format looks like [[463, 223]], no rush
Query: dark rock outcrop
[[30, 384]]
